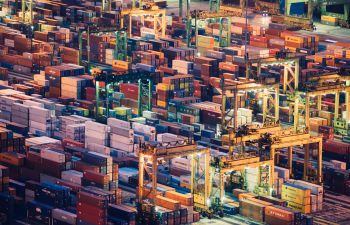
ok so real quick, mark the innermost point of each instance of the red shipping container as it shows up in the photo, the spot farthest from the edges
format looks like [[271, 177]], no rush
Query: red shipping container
[[337, 147], [81, 166], [96, 212], [71, 142], [96, 177], [129, 90], [92, 199]]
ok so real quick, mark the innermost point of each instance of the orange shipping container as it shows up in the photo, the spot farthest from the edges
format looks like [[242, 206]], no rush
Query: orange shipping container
[[167, 203], [186, 200], [228, 66], [243, 196], [12, 158]]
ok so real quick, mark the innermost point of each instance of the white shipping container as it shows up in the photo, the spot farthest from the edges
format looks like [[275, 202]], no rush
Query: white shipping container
[[315, 189], [52, 155], [118, 123], [91, 139], [89, 125], [282, 172], [125, 132], [34, 110], [33, 103], [181, 163], [40, 126], [143, 128], [9, 43], [99, 148], [96, 134], [122, 146], [121, 139]]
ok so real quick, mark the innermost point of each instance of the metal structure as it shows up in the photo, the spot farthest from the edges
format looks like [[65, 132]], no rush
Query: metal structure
[[214, 5], [120, 47], [121, 44], [159, 20], [224, 165], [230, 90], [281, 138], [106, 5], [219, 17], [270, 7], [324, 87], [27, 9], [114, 78], [181, 8], [288, 140], [156, 154]]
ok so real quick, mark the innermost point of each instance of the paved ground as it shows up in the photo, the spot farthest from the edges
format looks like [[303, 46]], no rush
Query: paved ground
[[232, 220], [325, 31]]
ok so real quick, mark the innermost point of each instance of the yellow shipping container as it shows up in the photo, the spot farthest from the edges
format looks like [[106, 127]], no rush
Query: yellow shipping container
[[301, 208], [121, 111], [85, 111], [163, 87], [121, 64], [101, 110], [299, 199], [331, 19], [291, 49], [295, 39], [199, 199], [347, 53], [295, 191], [161, 103]]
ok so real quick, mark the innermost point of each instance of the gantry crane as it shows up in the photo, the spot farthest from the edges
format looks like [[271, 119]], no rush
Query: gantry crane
[[120, 45], [159, 19], [112, 78], [221, 166], [292, 138], [331, 85], [220, 16], [291, 73], [231, 88], [158, 153]]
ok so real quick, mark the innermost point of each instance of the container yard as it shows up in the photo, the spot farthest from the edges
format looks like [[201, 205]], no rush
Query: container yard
[[156, 112]]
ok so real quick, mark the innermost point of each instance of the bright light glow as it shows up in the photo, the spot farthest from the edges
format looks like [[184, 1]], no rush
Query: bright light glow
[[329, 40], [208, 201], [156, 208], [198, 54]]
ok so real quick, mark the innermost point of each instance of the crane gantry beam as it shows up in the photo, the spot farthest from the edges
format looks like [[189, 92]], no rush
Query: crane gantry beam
[[159, 19], [288, 141], [239, 163], [155, 153], [231, 88]]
